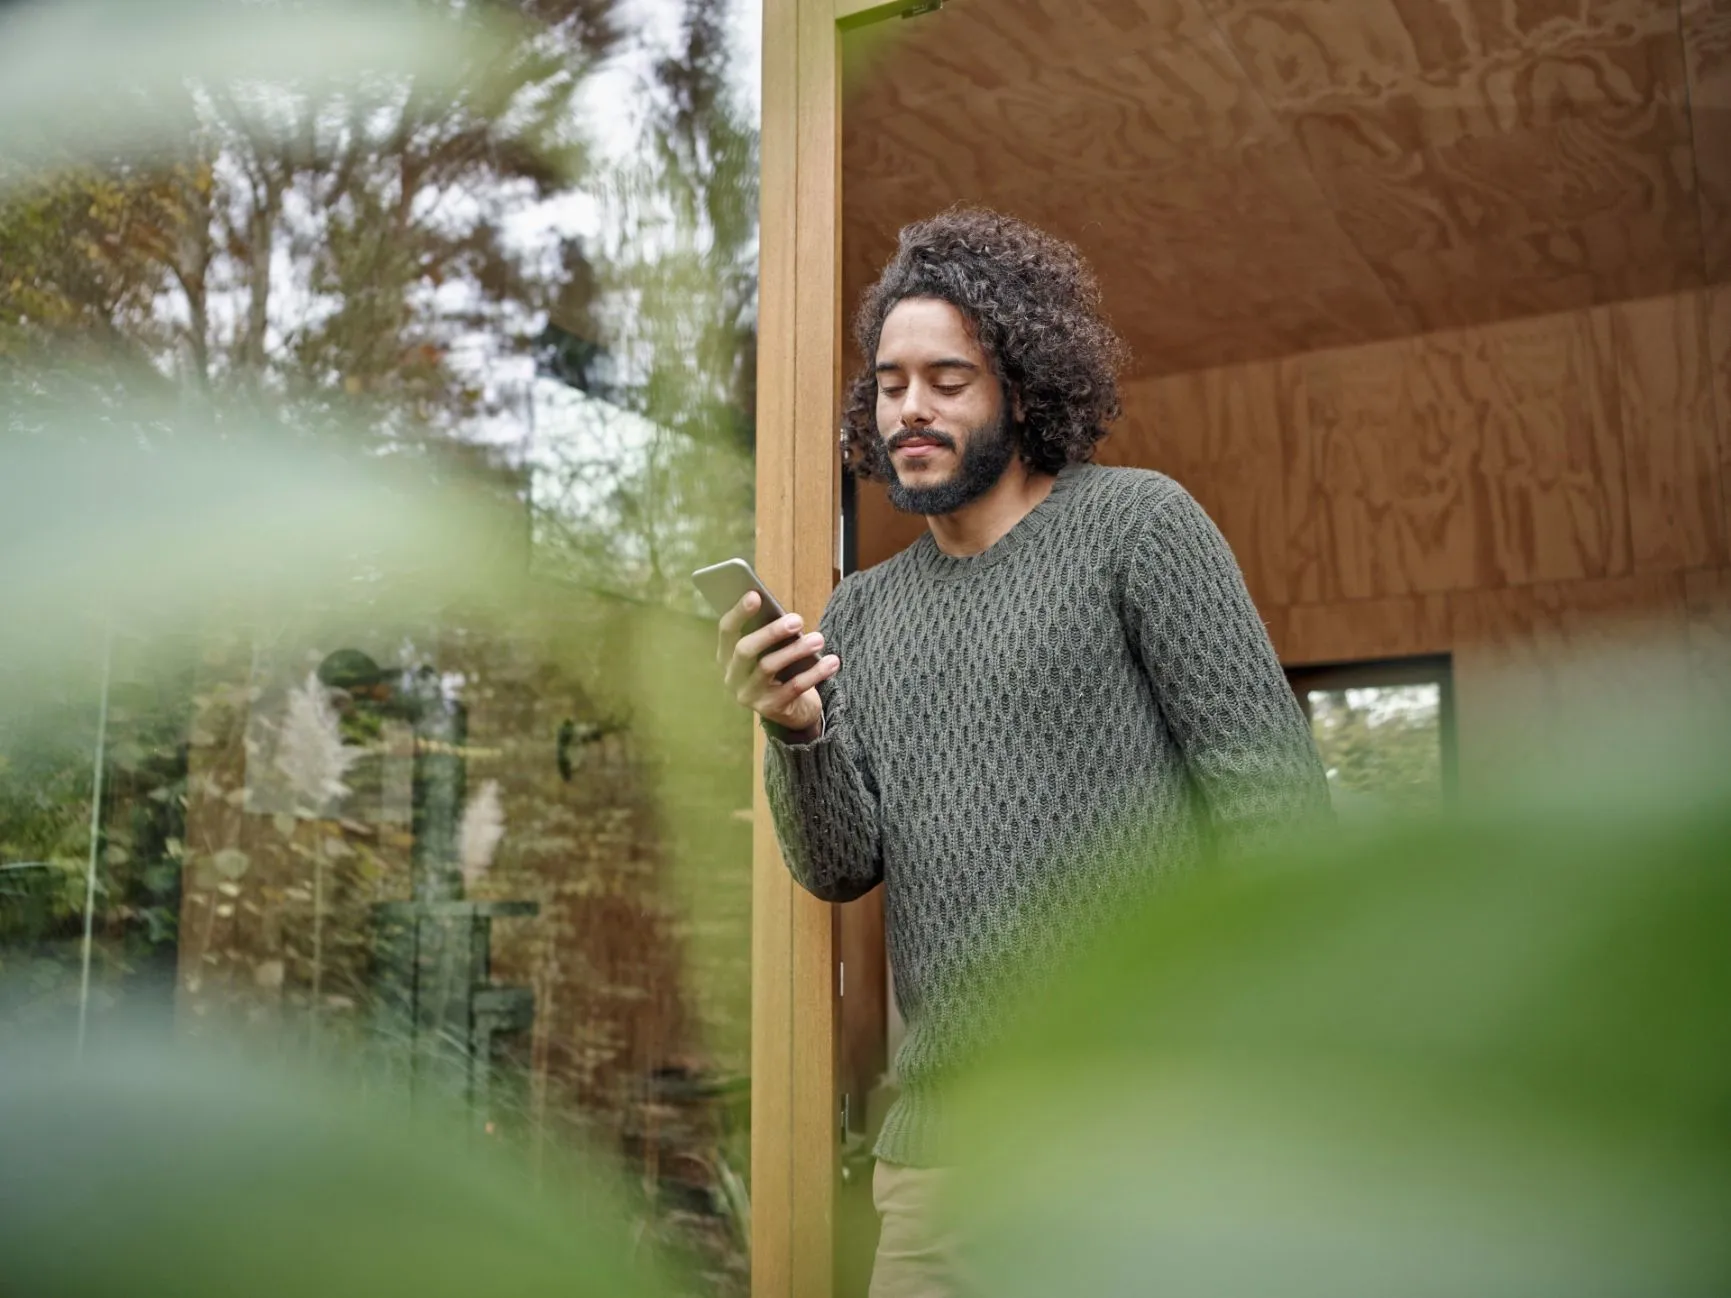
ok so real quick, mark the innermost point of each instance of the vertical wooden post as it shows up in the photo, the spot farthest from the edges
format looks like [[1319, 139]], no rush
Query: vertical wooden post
[[795, 1125]]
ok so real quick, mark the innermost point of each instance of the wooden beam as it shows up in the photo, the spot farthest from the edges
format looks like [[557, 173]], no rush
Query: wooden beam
[[850, 14], [795, 1123], [817, 506], [772, 899]]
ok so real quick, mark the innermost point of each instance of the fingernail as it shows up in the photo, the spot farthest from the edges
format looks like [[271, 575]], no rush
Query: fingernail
[[814, 639], [793, 622]]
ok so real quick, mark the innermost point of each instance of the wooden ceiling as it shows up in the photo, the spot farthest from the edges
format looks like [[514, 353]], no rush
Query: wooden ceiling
[[1256, 178]]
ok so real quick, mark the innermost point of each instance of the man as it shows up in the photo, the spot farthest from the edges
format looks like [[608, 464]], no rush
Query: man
[[1059, 693]]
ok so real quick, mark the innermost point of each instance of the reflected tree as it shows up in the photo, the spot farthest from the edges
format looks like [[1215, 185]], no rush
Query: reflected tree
[[388, 261]]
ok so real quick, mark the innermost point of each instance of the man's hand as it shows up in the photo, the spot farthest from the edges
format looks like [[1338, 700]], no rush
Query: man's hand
[[749, 665]]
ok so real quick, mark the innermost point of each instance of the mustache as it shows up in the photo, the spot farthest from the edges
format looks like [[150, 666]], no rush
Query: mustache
[[907, 435]]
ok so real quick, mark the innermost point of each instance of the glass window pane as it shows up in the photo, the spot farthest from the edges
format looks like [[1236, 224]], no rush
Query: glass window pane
[[1381, 746], [355, 703]]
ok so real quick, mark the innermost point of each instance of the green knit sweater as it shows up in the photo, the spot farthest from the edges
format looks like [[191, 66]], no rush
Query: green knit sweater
[[1017, 741]]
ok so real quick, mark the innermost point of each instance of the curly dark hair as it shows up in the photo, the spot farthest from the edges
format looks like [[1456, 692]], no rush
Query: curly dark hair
[[1034, 306]]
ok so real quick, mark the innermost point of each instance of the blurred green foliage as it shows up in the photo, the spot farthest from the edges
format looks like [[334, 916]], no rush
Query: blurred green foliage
[[154, 61], [1483, 1055], [155, 1171]]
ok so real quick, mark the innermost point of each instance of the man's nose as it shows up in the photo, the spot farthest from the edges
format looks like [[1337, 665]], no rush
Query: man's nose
[[916, 407]]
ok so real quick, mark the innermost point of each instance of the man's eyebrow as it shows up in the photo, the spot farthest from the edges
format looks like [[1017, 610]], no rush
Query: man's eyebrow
[[948, 363]]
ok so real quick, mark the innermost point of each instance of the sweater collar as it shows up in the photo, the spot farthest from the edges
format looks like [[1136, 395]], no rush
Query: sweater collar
[[932, 561]]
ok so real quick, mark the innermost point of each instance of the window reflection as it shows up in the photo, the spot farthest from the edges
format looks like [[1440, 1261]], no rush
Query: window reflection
[[487, 837]]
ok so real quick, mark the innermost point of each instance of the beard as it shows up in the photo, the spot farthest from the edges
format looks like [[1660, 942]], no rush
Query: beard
[[989, 450]]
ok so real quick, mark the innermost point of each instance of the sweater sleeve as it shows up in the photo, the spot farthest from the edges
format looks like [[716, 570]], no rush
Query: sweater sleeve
[[1244, 737], [822, 795]]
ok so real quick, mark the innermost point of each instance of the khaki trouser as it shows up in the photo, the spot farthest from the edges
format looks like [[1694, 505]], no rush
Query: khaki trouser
[[917, 1257]]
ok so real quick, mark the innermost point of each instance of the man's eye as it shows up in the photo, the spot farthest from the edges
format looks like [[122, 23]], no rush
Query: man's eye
[[885, 389], [950, 389]]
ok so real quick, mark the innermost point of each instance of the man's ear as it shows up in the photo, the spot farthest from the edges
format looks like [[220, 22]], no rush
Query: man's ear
[[1018, 411]]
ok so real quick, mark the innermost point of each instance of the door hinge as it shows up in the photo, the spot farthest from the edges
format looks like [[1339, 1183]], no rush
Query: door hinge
[[922, 7]]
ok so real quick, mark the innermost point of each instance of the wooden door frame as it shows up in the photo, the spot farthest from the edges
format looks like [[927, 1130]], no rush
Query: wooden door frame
[[795, 1121], [793, 1133]]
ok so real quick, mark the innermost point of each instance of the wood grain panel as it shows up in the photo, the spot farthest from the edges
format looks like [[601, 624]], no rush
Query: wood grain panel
[[1218, 433], [1530, 663], [772, 1081], [860, 13], [998, 44], [1376, 496], [1670, 431], [1717, 309], [794, 1132], [1504, 455], [1706, 28], [1363, 630], [1471, 458], [1544, 626], [861, 1043], [1489, 160], [1532, 409], [883, 529], [812, 965], [1276, 619]]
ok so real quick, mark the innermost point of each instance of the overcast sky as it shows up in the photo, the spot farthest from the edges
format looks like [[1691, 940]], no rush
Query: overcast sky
[[616, 101], [617, 98], [579, 449]]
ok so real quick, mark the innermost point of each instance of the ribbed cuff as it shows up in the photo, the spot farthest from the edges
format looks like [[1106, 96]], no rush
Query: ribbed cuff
[[913, 1133], [790, 738]]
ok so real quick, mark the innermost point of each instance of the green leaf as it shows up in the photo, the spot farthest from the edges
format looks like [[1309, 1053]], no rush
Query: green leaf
[[214, 510], [318, 1192], [145, 55]]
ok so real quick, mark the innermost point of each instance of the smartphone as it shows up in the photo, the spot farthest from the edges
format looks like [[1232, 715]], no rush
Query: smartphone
[[724, 584]]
